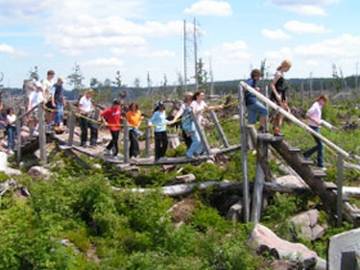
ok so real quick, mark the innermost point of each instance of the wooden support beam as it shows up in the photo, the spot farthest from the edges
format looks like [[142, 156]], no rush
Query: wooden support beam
[[19, 141], [42, 135], [219, 129], [147, 140], [71, 125], [126, 141], [339, 182], [244, 152], [202, 135]]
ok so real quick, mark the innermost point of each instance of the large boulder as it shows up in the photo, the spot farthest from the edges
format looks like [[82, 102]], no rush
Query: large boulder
[[263, 239], [306, 224], [38, 172]]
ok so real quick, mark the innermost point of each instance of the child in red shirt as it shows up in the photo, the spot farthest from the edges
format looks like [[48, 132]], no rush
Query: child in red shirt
[[112, 118]]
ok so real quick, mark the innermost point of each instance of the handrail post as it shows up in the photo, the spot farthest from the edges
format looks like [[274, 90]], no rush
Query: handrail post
[[339, 183], [71, 126], [19, 142], [244, 150], [219, 129], [126, 141], [201, 134], [147, 140], [267, 108], [42, 134]]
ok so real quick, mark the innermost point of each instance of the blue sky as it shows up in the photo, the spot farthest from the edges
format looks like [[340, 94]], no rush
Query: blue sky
[[137, 36]]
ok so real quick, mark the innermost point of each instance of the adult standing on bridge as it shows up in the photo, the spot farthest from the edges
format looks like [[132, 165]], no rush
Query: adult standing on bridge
[[58, 102], [279, 90], [314, 118], [48, 90], [86, 108]]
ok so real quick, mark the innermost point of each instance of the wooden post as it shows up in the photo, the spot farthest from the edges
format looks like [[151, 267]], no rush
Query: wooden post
[[219, 129], [126, 141], [339, 182], [259, 182], [147, 140], [71, 126], [243, 133], [267, 108], [42, 134], [202, 135], [19, 142]]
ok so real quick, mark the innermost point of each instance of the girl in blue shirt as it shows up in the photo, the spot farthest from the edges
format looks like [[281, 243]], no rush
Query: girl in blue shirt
[[159, 122]]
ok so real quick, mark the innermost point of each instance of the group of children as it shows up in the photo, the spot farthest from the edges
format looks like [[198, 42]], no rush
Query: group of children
[[279, 88], [192, 108]]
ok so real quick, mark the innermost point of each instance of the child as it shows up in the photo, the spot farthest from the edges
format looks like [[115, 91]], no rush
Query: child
[[112, 117], [254, 107], [278, 95], [158, 120], [189, 128], [314, 121], [134, 118], [11, 129]]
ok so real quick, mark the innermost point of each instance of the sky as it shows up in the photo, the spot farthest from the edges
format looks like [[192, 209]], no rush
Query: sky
[[141, 36]]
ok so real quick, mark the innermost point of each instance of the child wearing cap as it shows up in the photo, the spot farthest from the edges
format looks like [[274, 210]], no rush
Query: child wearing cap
[[112, 117], [158, 120]]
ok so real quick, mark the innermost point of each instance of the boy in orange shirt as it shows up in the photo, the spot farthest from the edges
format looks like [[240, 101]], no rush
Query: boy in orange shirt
[[134, 118]]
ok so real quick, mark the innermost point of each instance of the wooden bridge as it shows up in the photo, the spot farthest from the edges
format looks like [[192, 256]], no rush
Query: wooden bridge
[[331, 195]]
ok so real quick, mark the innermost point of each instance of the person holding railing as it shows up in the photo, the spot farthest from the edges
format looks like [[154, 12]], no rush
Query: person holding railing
[[159, 121], [112, 117], [188, 98], [199, 106], [279, 90], [134, 118], [86, 109], [314, 119], [254, 107]]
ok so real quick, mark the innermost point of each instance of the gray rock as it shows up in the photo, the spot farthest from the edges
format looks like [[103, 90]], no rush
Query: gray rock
[[291, 181], [263, 239], [39, 172], [307, 223], [235, 212], [344, 249]]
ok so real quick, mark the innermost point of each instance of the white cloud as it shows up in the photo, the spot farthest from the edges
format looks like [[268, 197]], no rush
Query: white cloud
[[210, 8], [305, 7], [104, 62], [277, 34], [298, 27], [230, 52], [7, 49], [344, 46]]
